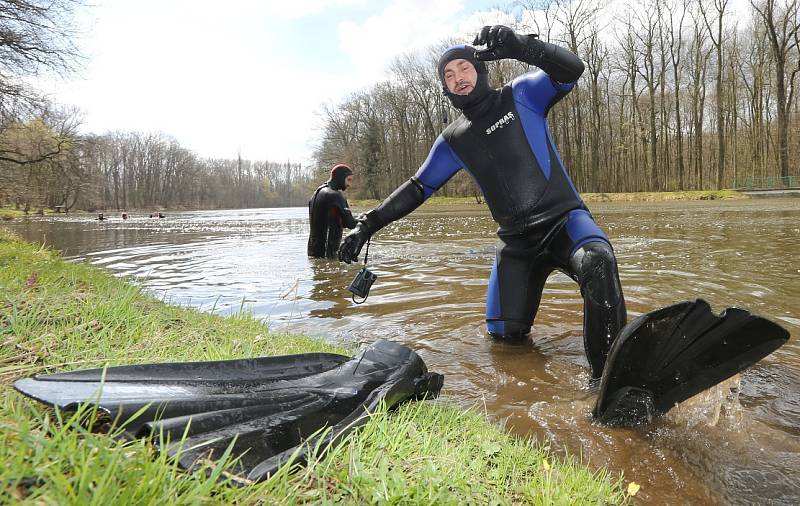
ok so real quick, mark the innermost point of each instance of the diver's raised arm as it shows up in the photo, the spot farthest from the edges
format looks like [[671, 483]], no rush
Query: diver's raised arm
[[502, 42]]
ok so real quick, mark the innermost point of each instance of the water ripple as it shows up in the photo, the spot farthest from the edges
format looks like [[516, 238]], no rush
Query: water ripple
[[432, 275]]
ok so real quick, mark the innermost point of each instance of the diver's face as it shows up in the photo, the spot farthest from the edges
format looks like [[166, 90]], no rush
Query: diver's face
[[348, 181], [460, 77]]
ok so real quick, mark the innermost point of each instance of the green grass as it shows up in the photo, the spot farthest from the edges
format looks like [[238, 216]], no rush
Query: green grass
[[590, 197], [58, 315], [665, 196], [8, 213]]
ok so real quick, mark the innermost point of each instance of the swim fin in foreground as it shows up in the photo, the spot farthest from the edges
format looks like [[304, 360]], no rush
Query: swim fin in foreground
[[267, 408], [666, 356]]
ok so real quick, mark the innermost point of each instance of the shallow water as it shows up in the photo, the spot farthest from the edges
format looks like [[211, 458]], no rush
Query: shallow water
[[738, 445]]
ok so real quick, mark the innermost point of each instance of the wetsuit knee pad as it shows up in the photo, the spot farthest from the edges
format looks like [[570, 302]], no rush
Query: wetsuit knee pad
[[595, 267], [597, 274]]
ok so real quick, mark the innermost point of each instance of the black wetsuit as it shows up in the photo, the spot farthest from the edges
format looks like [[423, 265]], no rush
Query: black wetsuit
[[504, 142], [328, 212]]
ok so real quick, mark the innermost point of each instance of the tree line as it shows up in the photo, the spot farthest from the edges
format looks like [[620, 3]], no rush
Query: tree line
[[131, 170], [140, 171], [677, 95], [46, 163]]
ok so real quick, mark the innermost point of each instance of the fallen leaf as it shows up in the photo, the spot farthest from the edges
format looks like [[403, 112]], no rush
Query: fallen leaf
[[633, 488], [493, 450]]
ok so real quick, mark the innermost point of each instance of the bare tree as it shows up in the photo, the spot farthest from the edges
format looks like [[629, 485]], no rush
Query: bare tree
[[714, 24], [596, 58], [782, 25], [35, 36]]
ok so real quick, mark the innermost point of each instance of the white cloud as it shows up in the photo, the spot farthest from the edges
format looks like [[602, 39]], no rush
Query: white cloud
[[298, 9], [402, 27], [222, 79], [212, 78]]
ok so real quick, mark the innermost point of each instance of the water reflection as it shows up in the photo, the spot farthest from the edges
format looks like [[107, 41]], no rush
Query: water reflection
[[432, 272], [328, 289]]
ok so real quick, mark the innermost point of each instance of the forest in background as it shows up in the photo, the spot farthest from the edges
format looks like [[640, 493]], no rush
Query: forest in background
[[130, 170], [676, 95], [45, 162]]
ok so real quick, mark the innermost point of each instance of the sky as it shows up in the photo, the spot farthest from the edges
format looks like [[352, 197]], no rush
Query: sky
[[243, 76], [250, 76]]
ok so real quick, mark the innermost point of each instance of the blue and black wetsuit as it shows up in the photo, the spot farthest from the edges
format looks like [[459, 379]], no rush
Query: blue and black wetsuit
[[504, 142]]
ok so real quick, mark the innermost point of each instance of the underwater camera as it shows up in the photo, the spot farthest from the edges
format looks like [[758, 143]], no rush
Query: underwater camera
[[362, 283]]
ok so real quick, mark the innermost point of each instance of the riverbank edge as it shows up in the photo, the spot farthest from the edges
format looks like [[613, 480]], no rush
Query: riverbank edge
[[589, 198], [58, 315], [8, 213]]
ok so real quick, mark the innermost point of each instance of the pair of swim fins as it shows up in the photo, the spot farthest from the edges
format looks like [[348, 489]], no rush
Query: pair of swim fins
[[267, 410], [669, 355]]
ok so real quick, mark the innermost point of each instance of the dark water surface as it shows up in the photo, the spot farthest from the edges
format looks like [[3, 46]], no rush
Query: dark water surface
[[740, 444]]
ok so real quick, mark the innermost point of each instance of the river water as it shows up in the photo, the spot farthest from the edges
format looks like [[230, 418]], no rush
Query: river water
[[740, 444]]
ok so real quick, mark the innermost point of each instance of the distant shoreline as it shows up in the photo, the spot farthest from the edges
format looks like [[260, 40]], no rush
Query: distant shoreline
[[595, 197], [9, 213]]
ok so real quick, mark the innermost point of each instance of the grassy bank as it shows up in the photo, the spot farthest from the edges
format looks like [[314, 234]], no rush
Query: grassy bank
[[58, 315], [665, 196], [591, 197], [10, 213]]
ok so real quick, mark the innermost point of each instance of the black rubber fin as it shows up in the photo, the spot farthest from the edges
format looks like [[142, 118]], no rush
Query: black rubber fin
[[671, 354], [266, 409], [228, 371]]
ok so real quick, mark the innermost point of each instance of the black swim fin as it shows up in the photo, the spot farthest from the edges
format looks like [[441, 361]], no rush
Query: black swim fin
[[267, 408], [666, 356]]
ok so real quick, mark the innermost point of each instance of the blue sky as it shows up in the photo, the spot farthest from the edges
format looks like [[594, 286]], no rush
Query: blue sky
[[248, 76]]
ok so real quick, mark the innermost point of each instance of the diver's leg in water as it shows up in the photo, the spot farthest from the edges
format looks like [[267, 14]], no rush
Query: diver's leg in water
[[594, 266], [514, 291]]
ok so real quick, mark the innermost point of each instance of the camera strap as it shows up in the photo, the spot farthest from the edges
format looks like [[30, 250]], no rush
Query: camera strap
[[366, 253]]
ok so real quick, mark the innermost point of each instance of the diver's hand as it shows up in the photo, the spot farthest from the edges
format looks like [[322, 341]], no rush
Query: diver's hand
[[502, 42], [352, 244]]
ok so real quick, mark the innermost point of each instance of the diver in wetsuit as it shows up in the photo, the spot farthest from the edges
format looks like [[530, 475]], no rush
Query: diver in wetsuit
[[328, 212], [503, 140]]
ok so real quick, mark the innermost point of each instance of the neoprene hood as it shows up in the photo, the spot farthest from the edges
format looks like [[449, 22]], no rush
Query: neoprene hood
[[339, 173], [464, 52]]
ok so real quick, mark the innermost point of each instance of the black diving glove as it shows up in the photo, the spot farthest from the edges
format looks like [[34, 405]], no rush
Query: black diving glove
[[404, 199], [559, 63], [502, 42], [352, 244]]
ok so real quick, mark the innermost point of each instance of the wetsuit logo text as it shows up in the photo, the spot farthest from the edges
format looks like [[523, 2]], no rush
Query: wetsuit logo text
[[505, 120]]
